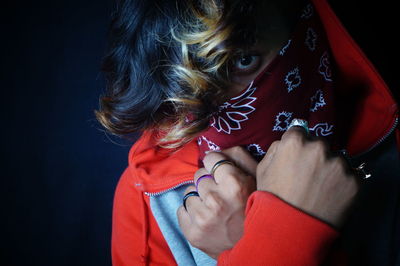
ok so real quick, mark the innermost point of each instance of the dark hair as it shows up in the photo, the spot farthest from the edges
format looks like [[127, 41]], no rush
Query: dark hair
[[167, 64]]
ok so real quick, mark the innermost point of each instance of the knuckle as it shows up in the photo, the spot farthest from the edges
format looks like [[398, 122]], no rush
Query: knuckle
[[199, 172], [234, 183], [204, 223], [322, 143], [236, 150], [235, 188], [297, 133], [215, 204], [237, 193], [196, 240], [320, 146], [293, 137]]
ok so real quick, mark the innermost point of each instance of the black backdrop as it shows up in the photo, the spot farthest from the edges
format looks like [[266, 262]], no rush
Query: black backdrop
[[59, 169]]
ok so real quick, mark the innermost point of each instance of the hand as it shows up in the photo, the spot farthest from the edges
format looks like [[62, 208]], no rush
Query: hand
[[303, 172], [214, 221]]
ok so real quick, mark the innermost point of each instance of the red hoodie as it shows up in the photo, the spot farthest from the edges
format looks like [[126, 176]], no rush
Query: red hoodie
[[276, 233]]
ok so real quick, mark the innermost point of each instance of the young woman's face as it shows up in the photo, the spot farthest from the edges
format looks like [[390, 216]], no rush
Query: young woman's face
[[275, 21]]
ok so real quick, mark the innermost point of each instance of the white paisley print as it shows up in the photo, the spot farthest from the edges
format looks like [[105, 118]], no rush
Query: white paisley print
[[311, 39], [282, 121], [211, 145], [255, 150], [299, 85], [308, 11], [322, 129], [231, 115], [317, 101], [284, 48], [324, 67], [293, 79]]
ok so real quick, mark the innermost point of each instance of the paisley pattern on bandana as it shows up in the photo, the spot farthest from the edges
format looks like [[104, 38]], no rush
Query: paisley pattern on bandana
[[232, 114], [282, 121], [308, 11], [322, 129], [324, 67], [311, 39], [298, 83], [293, 79], [317, 101], [211, 146], [256, 150], [284, 48]]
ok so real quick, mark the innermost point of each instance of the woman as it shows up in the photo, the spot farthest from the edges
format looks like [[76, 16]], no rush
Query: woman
[[210, 75]]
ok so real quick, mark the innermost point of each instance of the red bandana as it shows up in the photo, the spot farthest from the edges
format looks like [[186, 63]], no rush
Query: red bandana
[[296, 84]]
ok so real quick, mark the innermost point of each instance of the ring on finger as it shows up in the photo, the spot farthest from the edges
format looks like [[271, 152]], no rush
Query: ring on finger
[[300, 123], [200, 178], [218, 164], [188, 195]]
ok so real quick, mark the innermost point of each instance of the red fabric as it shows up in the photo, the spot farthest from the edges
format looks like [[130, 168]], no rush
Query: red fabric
[[137, 239], [368, 108], [147, 162], [132, 243], [368, 113], [297, 83], [274, 231]]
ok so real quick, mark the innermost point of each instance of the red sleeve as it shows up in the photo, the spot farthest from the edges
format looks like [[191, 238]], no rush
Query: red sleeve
[[277, 233], [136, 236]]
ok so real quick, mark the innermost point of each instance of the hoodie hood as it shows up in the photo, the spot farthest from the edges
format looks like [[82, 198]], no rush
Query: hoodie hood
[[368, 110], [155, 169]]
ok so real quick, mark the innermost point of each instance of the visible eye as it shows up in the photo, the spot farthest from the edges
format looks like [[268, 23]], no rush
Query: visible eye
[[246, 64]]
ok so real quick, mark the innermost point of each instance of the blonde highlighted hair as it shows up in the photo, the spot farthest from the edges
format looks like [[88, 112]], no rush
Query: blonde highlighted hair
[[185, 68]]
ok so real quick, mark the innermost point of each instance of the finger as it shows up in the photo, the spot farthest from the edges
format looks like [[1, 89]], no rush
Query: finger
[[242, 158], [229, 178], [194, 204], [184, 220], [324, 144], [295, 132], [205, 184], [222, 170]]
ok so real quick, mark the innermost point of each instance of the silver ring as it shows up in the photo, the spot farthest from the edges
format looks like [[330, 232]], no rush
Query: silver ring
[[300, 123], [218, 164]]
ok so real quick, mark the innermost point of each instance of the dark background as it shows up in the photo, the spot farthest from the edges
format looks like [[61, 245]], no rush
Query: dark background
[[59, 169]]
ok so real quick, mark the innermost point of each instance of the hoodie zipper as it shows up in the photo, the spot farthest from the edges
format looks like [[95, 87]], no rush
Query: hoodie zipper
[[153, 194], [381, 139]]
